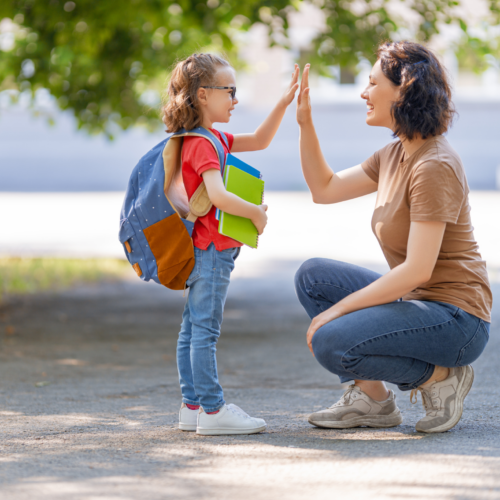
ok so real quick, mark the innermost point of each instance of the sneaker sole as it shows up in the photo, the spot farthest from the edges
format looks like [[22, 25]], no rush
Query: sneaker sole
[[379, 421], [224, 432], [462, 391], [187, 427]]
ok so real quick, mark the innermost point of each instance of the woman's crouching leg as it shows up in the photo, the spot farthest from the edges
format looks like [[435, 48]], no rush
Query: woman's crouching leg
[[321, 283], [329, 345], [381, 343]]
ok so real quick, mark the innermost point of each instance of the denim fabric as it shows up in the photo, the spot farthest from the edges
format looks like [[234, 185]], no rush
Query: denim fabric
[[399, 342], [200, 329]]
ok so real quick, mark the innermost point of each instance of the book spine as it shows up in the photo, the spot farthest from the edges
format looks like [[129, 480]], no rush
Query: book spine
[[261, 202]]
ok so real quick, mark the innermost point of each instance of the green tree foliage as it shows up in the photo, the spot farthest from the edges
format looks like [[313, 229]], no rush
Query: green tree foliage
[[98, 58], [354, 29]]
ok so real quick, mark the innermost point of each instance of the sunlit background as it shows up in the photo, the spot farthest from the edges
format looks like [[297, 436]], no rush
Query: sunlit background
[[89, 394], [70, 134]]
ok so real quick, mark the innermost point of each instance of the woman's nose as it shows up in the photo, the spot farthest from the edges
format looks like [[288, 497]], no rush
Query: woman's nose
[[364, 94]]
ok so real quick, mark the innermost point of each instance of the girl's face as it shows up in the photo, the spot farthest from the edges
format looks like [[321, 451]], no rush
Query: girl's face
[[380, 94], [217, 104]]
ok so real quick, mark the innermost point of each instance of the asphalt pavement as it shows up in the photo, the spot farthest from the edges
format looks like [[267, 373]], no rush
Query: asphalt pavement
[[89, 400]]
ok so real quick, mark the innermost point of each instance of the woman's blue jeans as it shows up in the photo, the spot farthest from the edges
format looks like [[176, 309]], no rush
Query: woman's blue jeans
[[400, 342], [200, 330]]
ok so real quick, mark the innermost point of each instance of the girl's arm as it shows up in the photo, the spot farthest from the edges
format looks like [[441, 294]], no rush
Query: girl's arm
[[325, 185], [266, 131], [232, 204], [424, 243]]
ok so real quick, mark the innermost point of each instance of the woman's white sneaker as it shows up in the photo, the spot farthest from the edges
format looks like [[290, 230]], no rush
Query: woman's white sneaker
[[230, 419], [444, 401], [356, 409], [187, 418]]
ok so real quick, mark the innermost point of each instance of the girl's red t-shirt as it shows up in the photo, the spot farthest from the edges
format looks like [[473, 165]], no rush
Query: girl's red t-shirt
[[198, 156]]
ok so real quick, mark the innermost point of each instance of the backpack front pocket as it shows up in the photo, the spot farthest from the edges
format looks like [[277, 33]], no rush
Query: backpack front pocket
[[172, 247]]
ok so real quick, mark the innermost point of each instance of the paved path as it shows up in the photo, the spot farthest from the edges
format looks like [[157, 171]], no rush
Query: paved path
[[89, 400], [89, 393]]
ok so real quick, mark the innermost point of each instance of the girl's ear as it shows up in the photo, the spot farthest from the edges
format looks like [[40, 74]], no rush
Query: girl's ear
[[202, 96]]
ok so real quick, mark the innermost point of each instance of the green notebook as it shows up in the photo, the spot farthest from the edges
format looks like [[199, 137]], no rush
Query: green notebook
[[251, 189]]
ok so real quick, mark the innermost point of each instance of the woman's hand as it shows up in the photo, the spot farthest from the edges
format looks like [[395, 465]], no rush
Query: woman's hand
[[289, 94], [320, 320], [303, 102]]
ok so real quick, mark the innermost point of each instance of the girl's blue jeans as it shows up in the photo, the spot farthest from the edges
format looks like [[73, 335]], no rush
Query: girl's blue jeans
[[200, 329], [400, 342]]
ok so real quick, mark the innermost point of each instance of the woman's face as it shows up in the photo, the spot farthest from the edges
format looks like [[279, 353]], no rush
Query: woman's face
[[379, 95]]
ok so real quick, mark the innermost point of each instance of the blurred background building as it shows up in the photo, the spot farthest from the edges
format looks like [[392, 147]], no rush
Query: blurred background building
[[44, 151]]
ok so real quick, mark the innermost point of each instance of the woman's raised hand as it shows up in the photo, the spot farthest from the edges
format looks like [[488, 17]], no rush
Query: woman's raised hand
[[303, 101], [292, 88]]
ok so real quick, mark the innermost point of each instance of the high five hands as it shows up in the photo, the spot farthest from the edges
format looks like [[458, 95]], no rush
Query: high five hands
[[303, 101]]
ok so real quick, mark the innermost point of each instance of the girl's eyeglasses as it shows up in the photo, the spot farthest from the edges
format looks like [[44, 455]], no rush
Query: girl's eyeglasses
[[233, 89]]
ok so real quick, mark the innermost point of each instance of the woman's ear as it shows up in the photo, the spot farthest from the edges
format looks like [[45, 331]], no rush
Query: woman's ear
[[202, 96]]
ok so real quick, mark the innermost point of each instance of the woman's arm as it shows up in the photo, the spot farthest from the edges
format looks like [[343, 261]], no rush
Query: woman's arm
[[232, 204], [424, 243], [325, 185], [266, 131]]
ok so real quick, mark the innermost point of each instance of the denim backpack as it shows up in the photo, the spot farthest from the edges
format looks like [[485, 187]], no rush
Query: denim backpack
[[156, 220]]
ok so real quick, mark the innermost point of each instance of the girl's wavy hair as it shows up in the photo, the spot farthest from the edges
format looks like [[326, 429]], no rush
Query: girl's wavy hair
[[425, 106], [182, 109]]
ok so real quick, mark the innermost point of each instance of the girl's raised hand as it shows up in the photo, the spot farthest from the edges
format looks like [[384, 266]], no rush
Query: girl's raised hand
[[289, 94], [303, 101]]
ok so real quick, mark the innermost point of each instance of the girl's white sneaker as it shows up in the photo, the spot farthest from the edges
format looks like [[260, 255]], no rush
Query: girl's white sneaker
[[187, 418], [230, 419]]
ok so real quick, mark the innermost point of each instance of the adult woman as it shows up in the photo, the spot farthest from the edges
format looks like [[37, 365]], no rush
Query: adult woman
[[421, 324]]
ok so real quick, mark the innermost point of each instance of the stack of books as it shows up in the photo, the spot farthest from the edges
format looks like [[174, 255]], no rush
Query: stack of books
[[246, 182]]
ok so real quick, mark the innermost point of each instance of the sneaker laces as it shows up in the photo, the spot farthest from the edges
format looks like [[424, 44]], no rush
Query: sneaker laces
[[346, 397], [427, 401]]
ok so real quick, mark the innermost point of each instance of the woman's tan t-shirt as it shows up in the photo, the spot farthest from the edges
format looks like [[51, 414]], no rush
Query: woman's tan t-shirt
[[430, 186]]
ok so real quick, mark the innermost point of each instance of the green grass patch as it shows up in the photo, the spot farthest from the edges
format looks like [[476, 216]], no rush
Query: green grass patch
[[22, 276]]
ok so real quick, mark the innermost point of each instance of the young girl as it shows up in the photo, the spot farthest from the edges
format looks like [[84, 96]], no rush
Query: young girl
[[202, 91]]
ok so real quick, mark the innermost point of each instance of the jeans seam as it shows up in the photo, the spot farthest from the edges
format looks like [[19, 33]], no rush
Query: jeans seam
[[421, 380], [197, 267], [214, 408], [309, 292], [214, 271], [190, 401], [327, 284], [342, 359], [466, 346]]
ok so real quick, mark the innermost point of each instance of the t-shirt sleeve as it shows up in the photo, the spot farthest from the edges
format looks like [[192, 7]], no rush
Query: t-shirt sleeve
[[202, 154], [435, 193], [371, 166]]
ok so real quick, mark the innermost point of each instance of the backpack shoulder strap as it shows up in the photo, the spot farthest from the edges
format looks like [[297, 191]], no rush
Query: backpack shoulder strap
[[200, 204], [210, 137], [224, 138]]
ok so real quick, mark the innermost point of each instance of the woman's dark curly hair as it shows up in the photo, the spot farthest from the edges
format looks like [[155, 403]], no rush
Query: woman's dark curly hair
[[425, 106]]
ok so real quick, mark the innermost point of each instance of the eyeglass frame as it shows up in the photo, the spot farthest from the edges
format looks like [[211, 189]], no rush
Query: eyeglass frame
[[233, 89]]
